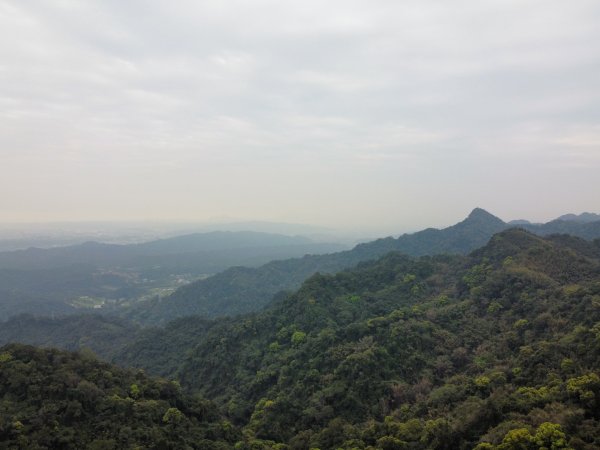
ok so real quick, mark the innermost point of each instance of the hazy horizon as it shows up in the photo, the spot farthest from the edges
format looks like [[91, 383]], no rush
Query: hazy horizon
[[347, 115], [148, 230]]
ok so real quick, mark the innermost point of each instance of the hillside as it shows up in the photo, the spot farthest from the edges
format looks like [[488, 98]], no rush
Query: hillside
[[240, 290], [111, 338], [436, 352], [103, 335], [60, 400]]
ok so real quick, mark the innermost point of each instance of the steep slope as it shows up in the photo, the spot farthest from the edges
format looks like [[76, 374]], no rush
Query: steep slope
[[443, 352], [55, 399]]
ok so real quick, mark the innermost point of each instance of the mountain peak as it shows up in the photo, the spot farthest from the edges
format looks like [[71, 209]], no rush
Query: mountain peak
[[480, 214]]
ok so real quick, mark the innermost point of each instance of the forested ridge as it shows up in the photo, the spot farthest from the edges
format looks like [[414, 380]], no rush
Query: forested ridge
[[239, 290], [436, 352]]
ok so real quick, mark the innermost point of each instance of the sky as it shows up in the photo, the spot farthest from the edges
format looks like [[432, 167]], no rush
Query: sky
[[381, 115]]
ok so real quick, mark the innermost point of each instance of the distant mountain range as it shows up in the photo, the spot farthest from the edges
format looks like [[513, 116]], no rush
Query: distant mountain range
[[62, 234], [585, 217], [246, 244], [49, 281], [242, 289]]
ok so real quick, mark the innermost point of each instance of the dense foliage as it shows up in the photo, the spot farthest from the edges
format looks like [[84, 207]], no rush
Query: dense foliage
[[163, 350], [500, 349], [103, 335], [51, 399]]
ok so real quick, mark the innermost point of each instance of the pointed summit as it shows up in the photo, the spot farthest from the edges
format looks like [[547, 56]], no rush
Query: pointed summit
[[481, 215]]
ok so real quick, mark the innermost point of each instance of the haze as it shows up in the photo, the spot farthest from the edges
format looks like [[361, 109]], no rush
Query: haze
[[340, 113]]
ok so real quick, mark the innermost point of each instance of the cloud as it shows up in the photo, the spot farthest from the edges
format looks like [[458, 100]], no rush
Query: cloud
[[149, 89]]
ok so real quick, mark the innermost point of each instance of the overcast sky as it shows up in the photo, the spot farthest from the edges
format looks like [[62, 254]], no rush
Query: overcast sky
[[378, 114]]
